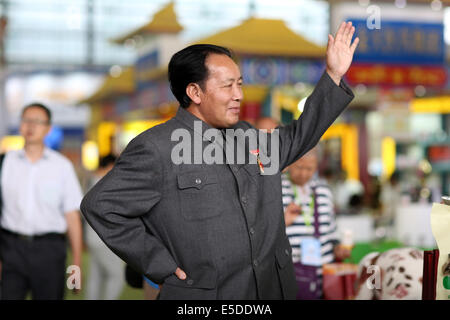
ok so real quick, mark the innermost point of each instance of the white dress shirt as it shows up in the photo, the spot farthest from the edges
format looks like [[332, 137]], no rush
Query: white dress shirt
[[36, 196]]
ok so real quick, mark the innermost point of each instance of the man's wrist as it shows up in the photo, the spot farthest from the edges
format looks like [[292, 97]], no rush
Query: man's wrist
[[336, 79], [76, 261]]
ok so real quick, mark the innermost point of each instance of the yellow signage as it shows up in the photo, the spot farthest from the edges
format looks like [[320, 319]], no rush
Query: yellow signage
[[89, 155], [11, 143]]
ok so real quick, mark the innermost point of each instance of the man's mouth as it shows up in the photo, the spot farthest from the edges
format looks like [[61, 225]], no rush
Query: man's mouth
[[235, 109]]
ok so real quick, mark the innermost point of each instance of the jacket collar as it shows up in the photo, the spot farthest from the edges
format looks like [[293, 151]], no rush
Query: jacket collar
[[193, 122], [189, 119]]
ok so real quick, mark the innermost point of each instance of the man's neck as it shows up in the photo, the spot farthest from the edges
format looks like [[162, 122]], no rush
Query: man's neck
[[193, 109], [34, 151]]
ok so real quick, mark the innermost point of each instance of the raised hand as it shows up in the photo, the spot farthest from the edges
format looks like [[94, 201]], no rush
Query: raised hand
[[340, 51]]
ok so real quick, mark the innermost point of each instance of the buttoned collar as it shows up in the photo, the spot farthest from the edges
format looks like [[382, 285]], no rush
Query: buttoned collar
[[45, 153], [188, 119]]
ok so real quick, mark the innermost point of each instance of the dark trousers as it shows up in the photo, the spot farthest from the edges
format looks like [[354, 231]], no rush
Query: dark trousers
[[33, 264]]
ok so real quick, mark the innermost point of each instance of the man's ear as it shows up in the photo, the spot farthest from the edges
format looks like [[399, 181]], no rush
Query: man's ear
[[49, 128], [193, 91]]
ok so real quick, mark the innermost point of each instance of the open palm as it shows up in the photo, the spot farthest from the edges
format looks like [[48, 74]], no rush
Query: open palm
[[340, 51]]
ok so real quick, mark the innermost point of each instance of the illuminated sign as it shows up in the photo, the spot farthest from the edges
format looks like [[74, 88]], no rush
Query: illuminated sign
[[400, 42], [439, 153], [393, 75], [145, 64], [278, 71]]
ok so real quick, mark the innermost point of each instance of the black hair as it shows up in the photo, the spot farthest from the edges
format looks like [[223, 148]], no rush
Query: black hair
[[40, 106], [107, 160], [188, 66]]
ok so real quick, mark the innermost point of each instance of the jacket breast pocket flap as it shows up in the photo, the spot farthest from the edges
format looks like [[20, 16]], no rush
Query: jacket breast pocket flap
[[200, 195], [196, 180]]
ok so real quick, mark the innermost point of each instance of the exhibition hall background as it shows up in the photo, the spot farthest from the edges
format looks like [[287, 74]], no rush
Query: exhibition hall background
[[101, 67]]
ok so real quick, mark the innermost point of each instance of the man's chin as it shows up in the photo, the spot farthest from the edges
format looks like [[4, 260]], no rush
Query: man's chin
[[232, 121], [228, 123]]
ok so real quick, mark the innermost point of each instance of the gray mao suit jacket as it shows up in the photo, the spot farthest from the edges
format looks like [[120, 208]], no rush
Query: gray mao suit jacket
[[223, 224]]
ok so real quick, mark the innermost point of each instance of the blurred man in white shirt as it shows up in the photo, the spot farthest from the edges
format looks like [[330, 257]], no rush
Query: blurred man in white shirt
[[41, 197]]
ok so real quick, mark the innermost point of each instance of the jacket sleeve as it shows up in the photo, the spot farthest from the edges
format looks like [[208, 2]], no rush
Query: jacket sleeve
[[322, 108], [115, 205]]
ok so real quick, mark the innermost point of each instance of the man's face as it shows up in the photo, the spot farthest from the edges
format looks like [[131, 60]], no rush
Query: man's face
[[34, 125], [221, 96], [303, 170]]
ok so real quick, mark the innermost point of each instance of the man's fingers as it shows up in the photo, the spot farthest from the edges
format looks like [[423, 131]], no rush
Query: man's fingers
[[345, 32], [180, 274], [330, 41], [354, 45], [294, 206], [350, 35], [293, 209], [340, 32]]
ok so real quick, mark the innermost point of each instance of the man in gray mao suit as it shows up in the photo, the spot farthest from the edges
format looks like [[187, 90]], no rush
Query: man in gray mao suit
[[212, 230]]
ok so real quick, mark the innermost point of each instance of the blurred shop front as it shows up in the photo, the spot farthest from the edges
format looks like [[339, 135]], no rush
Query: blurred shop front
[[59, 89], [398, 121], [400, 76], [133, 99], [279, 68]]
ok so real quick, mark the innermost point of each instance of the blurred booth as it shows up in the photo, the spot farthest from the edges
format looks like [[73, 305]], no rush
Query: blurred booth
[[361, 227], [401, 62], [413, 225], [279, 68]]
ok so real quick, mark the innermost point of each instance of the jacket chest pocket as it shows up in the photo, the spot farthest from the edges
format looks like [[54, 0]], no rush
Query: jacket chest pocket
[[200, 195]]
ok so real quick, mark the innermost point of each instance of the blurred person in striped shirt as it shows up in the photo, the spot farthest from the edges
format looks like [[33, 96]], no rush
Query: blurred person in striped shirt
[[301, 188]]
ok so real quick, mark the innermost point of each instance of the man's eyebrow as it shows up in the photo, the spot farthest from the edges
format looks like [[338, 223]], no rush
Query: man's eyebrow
[[232, 79]]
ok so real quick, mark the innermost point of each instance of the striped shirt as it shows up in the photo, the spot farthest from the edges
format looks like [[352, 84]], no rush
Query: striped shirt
[[299, 230]]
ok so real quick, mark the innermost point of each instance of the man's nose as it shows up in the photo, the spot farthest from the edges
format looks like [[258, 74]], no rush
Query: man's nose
[[238, 95]]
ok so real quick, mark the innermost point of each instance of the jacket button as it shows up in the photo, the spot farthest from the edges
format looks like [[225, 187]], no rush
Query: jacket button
[[198, 181], [244, 199], [252, 231], [190, 282], [255, 263]]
